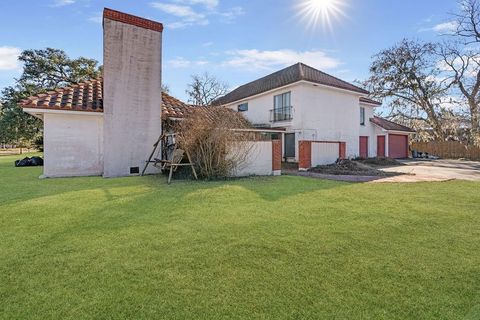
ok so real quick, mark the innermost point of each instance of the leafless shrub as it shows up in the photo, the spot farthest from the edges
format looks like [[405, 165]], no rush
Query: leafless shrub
[[214, 138]]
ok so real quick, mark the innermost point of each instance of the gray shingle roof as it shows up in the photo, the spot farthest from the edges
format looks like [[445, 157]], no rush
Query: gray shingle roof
[[289, 75], [389, 125]]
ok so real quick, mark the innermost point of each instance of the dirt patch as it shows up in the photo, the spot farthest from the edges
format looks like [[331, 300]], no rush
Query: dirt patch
[[289, 166], [351, 168]]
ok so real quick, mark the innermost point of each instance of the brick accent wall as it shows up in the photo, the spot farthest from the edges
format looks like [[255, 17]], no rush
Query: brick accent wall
[[305, 154], [131, 19], [342, 150], [276, 155]]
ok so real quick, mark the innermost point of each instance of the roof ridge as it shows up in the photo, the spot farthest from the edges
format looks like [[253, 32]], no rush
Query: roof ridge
[[336, 78], [302, 73], [287, 76]]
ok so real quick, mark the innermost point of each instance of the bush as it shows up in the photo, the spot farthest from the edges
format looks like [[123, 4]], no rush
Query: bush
[[215, 139], [38, 143]]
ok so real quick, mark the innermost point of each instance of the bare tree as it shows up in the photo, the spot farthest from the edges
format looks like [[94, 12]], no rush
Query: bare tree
[[468, 21], [205, 88], [215, 139], [464, 69], [408, 75], [461, 58], [165, 88]]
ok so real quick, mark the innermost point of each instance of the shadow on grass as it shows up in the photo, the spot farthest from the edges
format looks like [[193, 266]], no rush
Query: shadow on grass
[[22, 184]]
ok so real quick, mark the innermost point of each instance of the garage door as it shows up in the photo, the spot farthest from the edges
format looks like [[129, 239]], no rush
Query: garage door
[[397, 146], [364, 147], [324, 153], [381, 146]]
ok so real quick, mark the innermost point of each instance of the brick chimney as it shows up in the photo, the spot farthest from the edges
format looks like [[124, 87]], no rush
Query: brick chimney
[[132, 91]]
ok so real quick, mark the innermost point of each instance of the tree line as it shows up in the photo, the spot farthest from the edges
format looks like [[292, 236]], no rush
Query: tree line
[[435, 87], [43, 70]]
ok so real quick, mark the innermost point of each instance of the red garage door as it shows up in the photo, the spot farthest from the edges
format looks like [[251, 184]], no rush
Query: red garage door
[[364, 147], [397, 146], [381, 146]]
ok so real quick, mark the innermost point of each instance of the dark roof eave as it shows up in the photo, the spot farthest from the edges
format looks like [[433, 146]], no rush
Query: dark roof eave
[[390, 125], [370, 101]]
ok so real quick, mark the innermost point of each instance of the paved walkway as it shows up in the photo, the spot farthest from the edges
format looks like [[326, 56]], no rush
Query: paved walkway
[[436, 170], [413, 171]]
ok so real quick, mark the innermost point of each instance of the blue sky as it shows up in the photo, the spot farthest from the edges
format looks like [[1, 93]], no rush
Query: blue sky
[[238, 41]]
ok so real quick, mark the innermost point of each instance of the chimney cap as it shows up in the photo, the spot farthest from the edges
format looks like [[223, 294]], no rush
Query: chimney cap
[[132, 20]]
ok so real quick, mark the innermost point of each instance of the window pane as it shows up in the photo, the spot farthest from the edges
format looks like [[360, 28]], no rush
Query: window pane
[[278, 102], [243, 107], [287, 100]]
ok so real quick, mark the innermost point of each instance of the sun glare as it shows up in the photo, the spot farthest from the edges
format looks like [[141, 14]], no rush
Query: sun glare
[[321, 12]]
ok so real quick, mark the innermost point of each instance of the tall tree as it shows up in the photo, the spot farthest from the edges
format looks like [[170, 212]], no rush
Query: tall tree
[[42, 70], [205, 88], [50, 68], [461, 59], [408, 74], [17, 127]]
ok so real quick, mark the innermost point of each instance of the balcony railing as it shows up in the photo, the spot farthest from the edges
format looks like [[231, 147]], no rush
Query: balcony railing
[[281, 114]]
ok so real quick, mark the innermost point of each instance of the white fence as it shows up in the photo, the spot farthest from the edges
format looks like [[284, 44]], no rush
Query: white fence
[[324, 153], [258, 160]]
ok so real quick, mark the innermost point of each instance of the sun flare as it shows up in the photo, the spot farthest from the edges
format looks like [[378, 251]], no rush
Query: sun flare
[[321, 12]]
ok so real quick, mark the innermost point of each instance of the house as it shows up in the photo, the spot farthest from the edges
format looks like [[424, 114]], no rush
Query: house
[[323, 117], [73, 129], [107, 126]]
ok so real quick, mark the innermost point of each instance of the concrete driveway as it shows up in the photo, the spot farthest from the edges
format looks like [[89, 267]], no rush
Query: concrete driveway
[[434, 170]]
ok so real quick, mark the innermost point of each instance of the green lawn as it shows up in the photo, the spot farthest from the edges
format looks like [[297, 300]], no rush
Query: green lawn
[[259, 248]]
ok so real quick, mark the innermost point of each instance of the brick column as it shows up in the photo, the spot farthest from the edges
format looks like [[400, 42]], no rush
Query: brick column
[[342, 150], [277, 157], [304, 155]]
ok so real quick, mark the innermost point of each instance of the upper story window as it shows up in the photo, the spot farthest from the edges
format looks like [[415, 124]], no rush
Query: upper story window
[[242, 107], [362, 116], [282, 101], [282, 108]]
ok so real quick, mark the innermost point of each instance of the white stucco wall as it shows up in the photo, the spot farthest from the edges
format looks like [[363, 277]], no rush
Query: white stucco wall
[[132, 99], [319, 113], [73, 144], [370, 130], [259, 106], [258, 162]]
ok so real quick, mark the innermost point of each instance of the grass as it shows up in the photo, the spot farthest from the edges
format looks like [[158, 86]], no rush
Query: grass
[[259, 248]]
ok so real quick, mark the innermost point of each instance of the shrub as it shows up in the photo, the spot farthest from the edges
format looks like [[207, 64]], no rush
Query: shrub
[[216, 139]]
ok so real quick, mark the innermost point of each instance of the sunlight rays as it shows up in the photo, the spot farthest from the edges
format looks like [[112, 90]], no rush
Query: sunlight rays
[[322, 13]]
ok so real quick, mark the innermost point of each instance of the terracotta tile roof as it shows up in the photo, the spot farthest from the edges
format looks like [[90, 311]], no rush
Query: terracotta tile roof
[[131, 19], [367, 100], [174, 108], [389, 125], [86, 96], [289, 75]]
